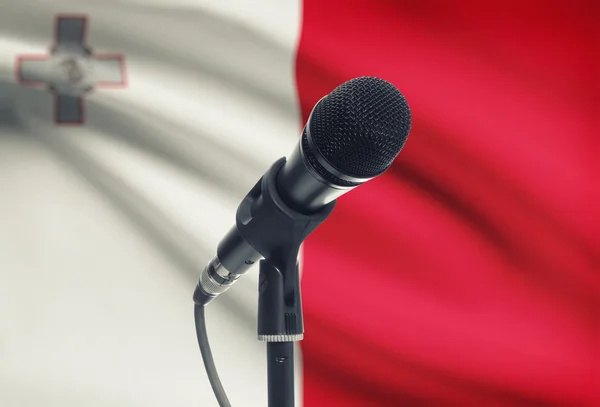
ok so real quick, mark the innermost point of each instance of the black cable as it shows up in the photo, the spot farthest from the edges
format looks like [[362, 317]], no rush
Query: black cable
[[207, 357]]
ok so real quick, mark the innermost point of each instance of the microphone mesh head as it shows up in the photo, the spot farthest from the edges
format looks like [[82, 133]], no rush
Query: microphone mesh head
[[360, 127]]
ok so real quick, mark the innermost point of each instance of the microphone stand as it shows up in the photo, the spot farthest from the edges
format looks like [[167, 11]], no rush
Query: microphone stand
[[280, 337], [276, 231]]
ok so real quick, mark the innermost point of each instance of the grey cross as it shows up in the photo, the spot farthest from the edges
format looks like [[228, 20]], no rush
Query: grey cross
[[71, 70]]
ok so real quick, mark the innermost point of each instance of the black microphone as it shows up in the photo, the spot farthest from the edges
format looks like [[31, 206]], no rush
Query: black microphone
[[352, 136]]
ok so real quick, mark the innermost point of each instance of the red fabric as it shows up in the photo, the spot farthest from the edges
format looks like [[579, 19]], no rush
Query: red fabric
[[468, 274]]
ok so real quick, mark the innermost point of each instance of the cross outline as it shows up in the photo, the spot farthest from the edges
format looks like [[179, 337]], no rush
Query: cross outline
[[90, 54]]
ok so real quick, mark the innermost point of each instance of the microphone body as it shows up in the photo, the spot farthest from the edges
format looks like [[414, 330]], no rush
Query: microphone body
[[351, 136], [300, 187]]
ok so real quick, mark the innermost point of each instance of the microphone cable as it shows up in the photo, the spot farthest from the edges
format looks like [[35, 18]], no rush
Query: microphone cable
[[207, 358]]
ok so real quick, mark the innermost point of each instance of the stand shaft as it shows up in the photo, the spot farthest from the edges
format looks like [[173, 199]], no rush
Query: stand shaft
[[280, 368]]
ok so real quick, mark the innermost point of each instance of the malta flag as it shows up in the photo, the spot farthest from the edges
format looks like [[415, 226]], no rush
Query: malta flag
[[468, 275]]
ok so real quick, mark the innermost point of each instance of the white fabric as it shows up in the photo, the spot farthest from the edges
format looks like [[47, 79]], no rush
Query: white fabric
[[101, 225]]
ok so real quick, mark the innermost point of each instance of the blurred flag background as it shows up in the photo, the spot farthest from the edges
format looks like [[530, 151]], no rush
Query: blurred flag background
[[467, 275]]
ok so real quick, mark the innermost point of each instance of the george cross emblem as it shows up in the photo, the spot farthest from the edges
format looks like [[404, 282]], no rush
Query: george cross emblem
[[71, 70]]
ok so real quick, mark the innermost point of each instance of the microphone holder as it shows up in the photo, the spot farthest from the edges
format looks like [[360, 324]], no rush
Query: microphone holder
[[276, 231]]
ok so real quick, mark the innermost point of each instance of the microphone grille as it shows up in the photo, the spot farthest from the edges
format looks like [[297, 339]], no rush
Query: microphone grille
[[361, 126]]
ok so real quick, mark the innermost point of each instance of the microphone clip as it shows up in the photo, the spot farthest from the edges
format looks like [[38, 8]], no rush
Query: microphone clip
[[276, 231]]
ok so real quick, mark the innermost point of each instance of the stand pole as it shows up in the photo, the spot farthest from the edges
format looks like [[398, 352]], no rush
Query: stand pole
[[280, 367], [280, 325]]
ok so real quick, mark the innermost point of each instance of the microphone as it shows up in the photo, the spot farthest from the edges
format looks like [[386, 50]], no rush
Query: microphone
[[352, 136]]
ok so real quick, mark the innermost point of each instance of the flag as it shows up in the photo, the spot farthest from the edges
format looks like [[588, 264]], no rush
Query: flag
[[466, 275]]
